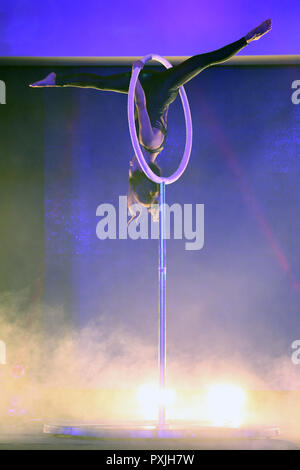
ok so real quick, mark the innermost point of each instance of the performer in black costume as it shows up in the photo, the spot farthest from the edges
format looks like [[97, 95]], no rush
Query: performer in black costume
[[155, 91]]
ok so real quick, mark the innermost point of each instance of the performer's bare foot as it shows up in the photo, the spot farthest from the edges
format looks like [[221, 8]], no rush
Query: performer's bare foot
[[50, 80], [259, 31]]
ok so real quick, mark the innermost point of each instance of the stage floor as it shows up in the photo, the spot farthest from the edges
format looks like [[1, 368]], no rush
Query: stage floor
[[31, 437]]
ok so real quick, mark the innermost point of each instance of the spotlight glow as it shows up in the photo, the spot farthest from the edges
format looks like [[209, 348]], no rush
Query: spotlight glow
[[150, 398], [225, 405]]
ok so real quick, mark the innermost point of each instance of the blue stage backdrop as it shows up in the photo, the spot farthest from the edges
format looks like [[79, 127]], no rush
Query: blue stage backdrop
[[239, 294], [136, 28]]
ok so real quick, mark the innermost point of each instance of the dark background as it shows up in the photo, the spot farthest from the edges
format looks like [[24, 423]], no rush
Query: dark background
[[65, 151]]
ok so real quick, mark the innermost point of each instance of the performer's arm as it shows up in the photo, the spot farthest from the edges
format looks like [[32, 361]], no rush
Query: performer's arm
[[146, 134], [145, 127]]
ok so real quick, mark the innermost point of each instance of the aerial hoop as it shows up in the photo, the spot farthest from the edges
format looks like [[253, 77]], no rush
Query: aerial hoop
[[134, 139]]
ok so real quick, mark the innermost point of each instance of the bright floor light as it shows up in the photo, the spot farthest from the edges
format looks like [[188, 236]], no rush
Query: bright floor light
[[224, 405], [150, 397]]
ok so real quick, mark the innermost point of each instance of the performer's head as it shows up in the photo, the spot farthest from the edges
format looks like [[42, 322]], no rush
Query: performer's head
[[144, 191]]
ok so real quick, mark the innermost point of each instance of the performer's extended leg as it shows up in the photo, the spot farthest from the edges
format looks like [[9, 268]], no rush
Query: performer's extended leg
[[118, 82], [180, 74]]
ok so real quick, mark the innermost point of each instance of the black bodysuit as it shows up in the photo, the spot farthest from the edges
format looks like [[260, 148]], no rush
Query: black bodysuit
[[160, 87]]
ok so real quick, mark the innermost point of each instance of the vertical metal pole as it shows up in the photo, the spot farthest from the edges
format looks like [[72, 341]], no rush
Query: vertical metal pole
[[162, 303]]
